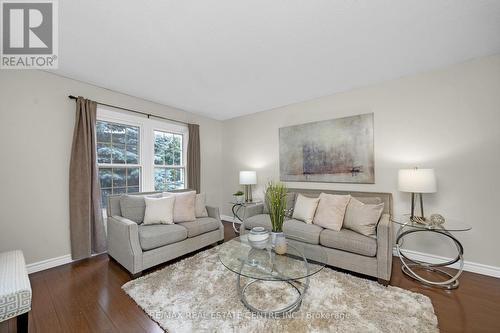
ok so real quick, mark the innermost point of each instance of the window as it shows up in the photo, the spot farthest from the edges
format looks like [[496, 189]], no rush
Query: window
[[169, 167], [137, 154], [118, 158]]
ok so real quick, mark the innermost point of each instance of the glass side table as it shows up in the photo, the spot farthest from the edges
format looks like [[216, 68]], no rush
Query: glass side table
[[267, 268], [239, 211], [410, 266]]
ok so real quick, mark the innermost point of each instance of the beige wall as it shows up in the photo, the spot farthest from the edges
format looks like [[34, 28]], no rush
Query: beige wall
[[36, 128], [448, 120]]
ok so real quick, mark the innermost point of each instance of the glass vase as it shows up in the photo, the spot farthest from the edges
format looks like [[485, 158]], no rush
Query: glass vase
[[278, 242]]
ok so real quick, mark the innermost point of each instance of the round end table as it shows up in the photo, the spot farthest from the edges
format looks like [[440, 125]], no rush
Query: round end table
[[411, 266], [236, 210]]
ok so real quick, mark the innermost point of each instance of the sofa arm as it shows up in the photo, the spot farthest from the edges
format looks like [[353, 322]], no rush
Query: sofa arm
[[384, 248], [254, 210], [123, 243], [213, 212]]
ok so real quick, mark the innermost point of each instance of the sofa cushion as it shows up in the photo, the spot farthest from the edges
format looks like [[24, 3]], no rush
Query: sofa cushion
[[362, 218], [350, 241], [259, 220], [199, 207], [132, 207], [305, 208], [159, 211], [200, 226], [184, 206], [153, 236], [304, 232], [370, 200], [331, 210]]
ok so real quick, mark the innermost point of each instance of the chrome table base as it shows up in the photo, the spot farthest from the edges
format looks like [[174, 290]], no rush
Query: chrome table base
[[411, 266], [448, 285], [299, 288]]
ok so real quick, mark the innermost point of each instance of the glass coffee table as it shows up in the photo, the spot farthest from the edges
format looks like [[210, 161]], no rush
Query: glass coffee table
[[292, 269], [411, 266]]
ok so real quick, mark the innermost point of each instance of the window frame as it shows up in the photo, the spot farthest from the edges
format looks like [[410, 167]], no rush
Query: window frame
[[183, 155], [147, 126]]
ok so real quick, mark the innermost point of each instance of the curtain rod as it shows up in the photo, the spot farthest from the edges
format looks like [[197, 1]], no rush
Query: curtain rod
[[135, 111]]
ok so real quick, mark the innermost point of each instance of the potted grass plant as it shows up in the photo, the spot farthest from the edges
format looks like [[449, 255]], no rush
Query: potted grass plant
[[276, 205]]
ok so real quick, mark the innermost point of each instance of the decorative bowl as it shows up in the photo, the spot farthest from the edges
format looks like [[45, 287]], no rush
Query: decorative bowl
[[258, 238]]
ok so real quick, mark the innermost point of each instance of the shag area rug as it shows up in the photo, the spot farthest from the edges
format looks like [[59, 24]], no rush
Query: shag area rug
[[199, 294]]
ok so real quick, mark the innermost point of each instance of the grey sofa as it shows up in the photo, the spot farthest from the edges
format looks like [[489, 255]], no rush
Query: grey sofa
[[138, 247], [345, 249]]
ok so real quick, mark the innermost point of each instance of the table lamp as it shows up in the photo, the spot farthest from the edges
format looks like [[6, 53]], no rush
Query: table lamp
[[417, 181], [248, 178]]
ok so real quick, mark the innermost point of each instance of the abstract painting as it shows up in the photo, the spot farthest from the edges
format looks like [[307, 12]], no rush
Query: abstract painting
[[333, 151]]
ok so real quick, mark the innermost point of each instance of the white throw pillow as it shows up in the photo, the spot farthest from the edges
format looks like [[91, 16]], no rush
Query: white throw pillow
[[331, 210], [159, 210], [362, 218], [200, 207], [184, 206], [305, 208]]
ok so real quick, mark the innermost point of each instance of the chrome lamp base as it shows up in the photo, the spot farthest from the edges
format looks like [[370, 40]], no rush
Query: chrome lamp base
[[248, 193], [412, 215]]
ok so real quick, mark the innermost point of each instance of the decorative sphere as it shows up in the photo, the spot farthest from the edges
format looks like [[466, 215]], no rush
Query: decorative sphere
[[437, 219]]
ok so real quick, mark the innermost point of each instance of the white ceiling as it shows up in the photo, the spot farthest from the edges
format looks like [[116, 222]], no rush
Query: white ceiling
[[226, 58]]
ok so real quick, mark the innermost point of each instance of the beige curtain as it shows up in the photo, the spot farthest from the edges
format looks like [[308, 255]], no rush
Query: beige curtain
[[193, 158], [86, 221]]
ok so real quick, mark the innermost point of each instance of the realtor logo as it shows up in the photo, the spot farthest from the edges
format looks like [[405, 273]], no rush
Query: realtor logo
[[29, 34]]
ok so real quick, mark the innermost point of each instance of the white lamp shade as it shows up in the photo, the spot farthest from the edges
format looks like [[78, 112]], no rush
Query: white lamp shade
[[248, 177], [417, 180]]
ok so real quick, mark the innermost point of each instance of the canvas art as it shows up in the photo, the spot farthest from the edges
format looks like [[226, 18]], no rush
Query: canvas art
[[334, 151]]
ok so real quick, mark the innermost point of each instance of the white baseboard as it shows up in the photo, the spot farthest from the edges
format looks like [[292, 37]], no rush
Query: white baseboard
[[229, 219], [48, 263], [469, 266]]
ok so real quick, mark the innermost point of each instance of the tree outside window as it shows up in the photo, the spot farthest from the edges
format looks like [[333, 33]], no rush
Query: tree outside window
[[169, 169], [118, 158]]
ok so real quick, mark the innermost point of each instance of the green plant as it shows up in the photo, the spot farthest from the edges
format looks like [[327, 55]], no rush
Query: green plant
[[276, 204], [238, 193]]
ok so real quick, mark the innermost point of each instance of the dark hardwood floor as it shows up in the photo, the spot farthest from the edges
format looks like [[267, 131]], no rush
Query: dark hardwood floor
[[86, 296]]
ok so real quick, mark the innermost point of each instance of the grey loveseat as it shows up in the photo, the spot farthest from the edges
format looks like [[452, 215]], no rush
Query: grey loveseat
[[138, 247], [345, 249]]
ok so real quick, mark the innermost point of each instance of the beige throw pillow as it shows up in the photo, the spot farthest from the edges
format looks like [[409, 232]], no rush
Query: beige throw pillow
[[362, 218], [305, 208], [184, 206], [200, 207], [159, 210], [331, 210]]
